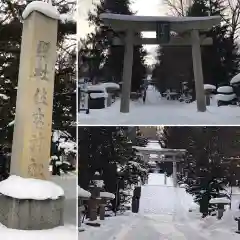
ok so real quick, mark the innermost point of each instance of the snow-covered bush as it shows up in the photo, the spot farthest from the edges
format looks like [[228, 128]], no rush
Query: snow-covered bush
[[63, 153], [235, 83], [226, 96]]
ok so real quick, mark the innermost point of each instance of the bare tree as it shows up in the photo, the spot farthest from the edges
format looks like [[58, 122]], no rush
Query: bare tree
[[233, 17], [178, 7]]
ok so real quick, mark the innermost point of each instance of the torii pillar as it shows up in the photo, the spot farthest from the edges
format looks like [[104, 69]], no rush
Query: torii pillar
[[188, 27], [174, 172]]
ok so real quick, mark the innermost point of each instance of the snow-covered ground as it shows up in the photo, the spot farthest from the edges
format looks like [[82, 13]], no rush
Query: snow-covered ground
[[159, 111], [66, 232], [164, 215]]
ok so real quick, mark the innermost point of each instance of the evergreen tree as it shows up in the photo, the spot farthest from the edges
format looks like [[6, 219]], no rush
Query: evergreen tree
[[220, 61], [108, 151], [206, 173], [105, 61]]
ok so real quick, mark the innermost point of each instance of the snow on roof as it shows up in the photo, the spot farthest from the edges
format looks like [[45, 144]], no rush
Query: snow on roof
[[97, 87], [111, 85], [209, 87], [29, 188], [83, 193], [225, 89], [219, 200], [235, 79], [225, 97], [98, 95], [43, 7], [107, 195], [155, 18]]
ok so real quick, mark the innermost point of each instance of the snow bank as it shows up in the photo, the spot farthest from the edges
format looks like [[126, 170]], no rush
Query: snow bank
[[60, 233], [43, 7], [225, 98], [209, 87], [29, 188], [107, 195], [235, 79], [219, 200], [83, 193], [225, 89], [183, 185]]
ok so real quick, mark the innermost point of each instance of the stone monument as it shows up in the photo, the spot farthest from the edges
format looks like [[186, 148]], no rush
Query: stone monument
[[32, 131], [33, 120]]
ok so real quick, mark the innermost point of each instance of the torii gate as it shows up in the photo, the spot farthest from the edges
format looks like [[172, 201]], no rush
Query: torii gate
[[187, 28], [172, 155]]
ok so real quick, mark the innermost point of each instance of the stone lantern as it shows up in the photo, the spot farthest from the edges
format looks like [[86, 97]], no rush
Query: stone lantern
[[95, 188], [209, 90], [220, 202], [105, 196], [82, 196]]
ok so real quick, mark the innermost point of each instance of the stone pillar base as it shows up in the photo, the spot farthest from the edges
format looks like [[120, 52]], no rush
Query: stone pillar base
[[29, 214], [102, 211]]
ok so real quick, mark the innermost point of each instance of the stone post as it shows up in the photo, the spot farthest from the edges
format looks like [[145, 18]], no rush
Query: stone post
[[198, 72], [174, 172], [165, 178], [102, 210], [33, 120], [127, 71]]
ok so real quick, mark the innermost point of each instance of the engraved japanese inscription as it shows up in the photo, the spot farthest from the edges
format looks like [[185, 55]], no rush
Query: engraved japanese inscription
[[40, 96], [41, 70], [35, 168]]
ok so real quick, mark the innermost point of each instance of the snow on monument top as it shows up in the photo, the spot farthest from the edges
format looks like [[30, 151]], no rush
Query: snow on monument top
[[29, 188], [46, 8]]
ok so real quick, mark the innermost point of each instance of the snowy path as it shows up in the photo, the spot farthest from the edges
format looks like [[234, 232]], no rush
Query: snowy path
[[161, 112], [161, 217], [164, 215]]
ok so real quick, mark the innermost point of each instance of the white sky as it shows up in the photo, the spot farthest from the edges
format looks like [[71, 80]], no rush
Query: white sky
[[142, 7]]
